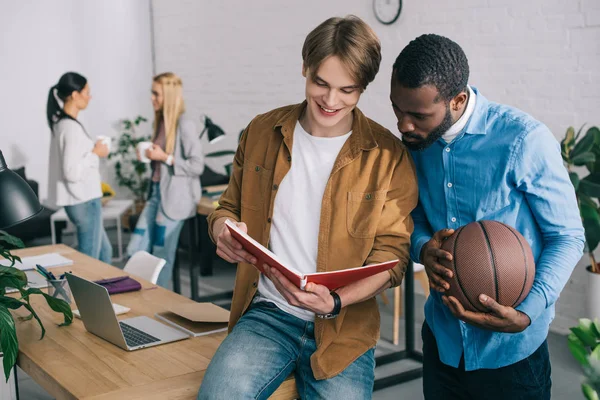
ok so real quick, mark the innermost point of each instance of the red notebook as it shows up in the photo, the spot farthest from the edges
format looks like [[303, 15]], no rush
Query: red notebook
[[332, 279]]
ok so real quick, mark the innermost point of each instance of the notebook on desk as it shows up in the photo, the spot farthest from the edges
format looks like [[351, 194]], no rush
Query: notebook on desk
[[48, 260], [196, 319]]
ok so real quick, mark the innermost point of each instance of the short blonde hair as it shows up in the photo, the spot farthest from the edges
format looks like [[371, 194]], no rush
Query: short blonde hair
[[173, 107], [350, 39]]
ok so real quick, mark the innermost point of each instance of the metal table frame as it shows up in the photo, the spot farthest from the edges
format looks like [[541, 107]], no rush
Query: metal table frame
[[409, 352]]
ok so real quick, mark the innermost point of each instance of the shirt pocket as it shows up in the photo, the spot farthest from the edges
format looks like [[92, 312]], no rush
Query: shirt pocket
[[493, 201], [364, 211], [254, 180]]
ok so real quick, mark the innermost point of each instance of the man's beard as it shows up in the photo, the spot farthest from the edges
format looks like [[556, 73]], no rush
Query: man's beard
[[432, 137]]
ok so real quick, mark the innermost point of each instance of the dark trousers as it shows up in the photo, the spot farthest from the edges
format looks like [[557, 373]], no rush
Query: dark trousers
[[528, 379]]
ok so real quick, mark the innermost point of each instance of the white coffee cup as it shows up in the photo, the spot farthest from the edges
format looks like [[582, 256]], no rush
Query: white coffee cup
[[141, 149], [107, 140]]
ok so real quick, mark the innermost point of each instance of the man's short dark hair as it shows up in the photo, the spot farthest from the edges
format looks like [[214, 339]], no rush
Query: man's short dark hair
[[433, 60]]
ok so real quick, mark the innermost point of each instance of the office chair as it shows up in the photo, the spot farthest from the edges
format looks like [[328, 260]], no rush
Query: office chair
[[145, 265]]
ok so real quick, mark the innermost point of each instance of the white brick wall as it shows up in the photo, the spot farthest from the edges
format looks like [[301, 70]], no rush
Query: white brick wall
[[241, 58], [108, 42]]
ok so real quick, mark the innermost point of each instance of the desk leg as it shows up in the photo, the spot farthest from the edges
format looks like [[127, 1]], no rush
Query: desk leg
[[119, 238], [53, 231], [207, 249], [193, 264], [409, 352]]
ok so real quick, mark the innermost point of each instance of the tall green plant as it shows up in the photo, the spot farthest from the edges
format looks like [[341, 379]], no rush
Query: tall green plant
[[131, 173], [11, 277], [584, 151], [583, 342]]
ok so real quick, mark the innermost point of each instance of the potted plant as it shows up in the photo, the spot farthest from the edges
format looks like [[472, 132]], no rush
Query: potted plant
[[131, 173], [583, 150], [11, 277], [583, 342]]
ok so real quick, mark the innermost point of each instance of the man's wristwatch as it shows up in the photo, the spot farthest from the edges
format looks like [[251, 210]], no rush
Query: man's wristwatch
[[337, 306], [169, 160]]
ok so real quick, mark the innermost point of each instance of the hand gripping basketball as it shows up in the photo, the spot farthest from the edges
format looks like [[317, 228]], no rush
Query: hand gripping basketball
[[431, 254]]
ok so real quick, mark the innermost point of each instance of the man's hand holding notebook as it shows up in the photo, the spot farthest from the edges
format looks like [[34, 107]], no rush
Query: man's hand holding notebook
[[331, 279]]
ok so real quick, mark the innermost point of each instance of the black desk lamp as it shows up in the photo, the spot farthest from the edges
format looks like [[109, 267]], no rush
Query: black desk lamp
[[214, 131], [18, 202]]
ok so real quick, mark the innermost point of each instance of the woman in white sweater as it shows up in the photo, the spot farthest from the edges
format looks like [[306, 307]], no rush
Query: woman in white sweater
[[74, 176]]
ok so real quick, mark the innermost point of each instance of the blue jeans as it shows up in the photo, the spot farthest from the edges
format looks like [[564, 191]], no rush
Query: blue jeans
[[528, 379], [91, 236], [265, 347], [157, 234]]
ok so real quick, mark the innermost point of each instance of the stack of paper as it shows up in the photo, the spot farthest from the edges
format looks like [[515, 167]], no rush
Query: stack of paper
[[48, 260]]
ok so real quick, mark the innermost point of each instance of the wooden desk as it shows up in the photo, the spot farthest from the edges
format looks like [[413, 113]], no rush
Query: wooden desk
[[207, 203], [71, 363]]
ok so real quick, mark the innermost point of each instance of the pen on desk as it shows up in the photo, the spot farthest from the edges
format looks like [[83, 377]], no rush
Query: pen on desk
[[42, 271], [48, 274]]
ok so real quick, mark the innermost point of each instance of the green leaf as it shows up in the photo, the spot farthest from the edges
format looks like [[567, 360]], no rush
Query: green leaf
[[584, 332], [574, 179], [595, 353], [11, 302], [589, 392], [577, 348], [596, 327], [56, 304], [9, 343], [12, 278], [591, 223], [566, 144], [589, 211], [595, 132], [584, 145], [221, 153], [11, 240], [579, 132], [583, 159], [590, 185]]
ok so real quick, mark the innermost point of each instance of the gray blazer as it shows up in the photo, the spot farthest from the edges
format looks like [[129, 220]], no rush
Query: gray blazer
[[180, 189]]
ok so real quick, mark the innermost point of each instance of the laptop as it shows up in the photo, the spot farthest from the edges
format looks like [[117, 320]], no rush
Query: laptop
[[99, 318]]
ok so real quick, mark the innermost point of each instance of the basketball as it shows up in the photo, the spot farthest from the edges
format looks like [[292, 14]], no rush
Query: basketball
[[491, 258]]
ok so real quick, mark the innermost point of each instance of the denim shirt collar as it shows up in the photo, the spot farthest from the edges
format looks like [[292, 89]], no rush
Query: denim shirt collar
[[478, 121]]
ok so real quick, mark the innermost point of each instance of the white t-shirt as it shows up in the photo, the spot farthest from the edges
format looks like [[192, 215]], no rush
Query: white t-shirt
[[458, 126], [297, 211]]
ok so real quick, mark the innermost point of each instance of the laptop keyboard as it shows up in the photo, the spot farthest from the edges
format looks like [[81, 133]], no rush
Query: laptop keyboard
[[134, 337]]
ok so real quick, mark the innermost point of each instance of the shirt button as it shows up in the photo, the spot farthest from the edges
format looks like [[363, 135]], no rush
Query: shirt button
[[275, 187], [449, 184], [447, 149], [453, 219], [254, 284], [289, 158], [269, 220]]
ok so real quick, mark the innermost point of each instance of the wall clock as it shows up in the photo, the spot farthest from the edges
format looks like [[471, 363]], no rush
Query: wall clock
[[387, 11]]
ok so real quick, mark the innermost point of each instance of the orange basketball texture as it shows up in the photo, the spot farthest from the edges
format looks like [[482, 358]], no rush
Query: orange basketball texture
[[492, 258]]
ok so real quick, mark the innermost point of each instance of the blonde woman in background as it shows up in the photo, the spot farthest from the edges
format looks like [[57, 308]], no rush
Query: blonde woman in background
[[177, 163], [74, 170]]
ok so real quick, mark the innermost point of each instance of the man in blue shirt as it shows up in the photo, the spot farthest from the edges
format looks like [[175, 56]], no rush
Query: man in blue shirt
[[478, 160]]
